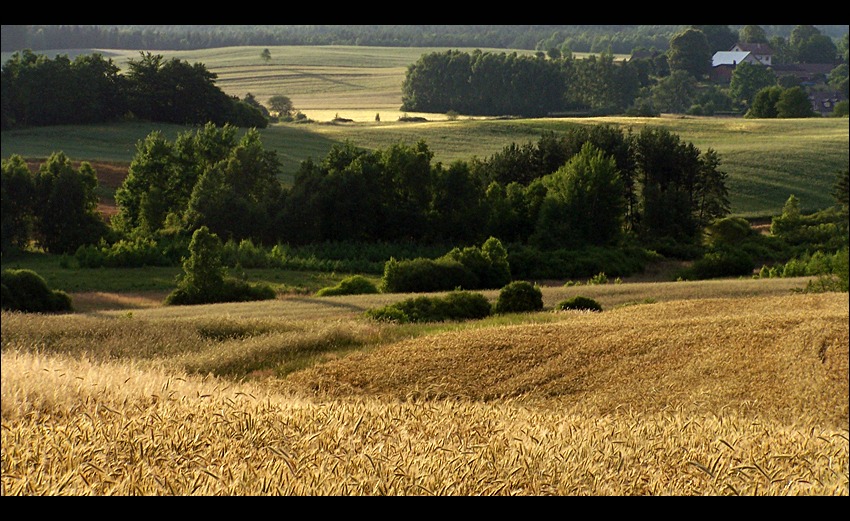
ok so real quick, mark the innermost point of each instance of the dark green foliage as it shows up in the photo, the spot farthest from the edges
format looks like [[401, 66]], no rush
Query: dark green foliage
[[780, 102], [841, 189], [66, 205], [764, 102], [483, 83], [488, 264], [728, 231], [584, 202], [794, 103], [682, 188], [204, 282], [724, 262], [690, 52], [519, 297], [25, 290], [230, 290], [388, 314], [39, 91], [17, 193], [425, 276], [354, 285], [56, 206], [457, 305], [823, 230], [580, 303], [531, 263], [467, 268], [748, 80]]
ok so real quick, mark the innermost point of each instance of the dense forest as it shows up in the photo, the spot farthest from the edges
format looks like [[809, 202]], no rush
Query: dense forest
[[618, 39], [39, 91]]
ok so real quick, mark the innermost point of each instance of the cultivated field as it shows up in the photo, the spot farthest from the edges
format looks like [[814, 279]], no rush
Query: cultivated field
[[721, 388]]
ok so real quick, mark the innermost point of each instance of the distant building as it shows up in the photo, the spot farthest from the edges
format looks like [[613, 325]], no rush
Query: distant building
[[823, 101], [724, 62], [807, 74], [760, 51]]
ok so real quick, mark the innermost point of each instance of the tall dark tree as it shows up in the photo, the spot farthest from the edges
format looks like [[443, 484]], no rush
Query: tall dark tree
[[584, 203], [17, 194], [675, 93], [764, 103], [720, 37], [668, 170], [818, 49], [794, 103], [457, 212], [751, 34], [689, 51], [66, 205], [748, 79]]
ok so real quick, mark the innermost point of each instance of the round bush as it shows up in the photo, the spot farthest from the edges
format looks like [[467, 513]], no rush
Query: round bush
[[27, 291], [388, 314], [580, 303], [463, 305], [519, 297], [354, 285]]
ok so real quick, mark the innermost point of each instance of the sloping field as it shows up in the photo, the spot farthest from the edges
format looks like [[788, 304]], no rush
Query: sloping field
[[777, 356], [716, 396]]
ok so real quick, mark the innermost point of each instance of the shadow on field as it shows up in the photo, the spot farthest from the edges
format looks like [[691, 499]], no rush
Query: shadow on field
[[327, 302]]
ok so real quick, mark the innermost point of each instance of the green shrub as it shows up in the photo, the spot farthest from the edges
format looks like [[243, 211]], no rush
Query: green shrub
[[354, 285], [598, 279], [457, 305], [728, 231], [464, 305], [580, 303], [230, 290], [25, 290], [519, 297], [203, 281], [425, 276], [726, 262], [7, 299], [388, 314]]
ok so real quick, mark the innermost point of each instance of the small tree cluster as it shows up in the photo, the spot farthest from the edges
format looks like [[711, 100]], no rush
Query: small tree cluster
[[457, 305], [56, 207], [468, 268], [204, 280]]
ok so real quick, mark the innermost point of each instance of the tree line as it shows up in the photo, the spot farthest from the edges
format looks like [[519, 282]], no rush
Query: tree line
[[594, 186], [39, 91], [619, 39], [675, 81]]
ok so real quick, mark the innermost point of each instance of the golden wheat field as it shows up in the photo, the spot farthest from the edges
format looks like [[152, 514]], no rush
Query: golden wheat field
[[710, 396]]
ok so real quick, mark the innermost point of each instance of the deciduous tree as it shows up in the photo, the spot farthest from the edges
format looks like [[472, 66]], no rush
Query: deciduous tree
[[689, 51]]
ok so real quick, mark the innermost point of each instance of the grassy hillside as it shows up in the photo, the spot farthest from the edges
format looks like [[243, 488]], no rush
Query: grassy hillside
[[767, 160], [700, 395]]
